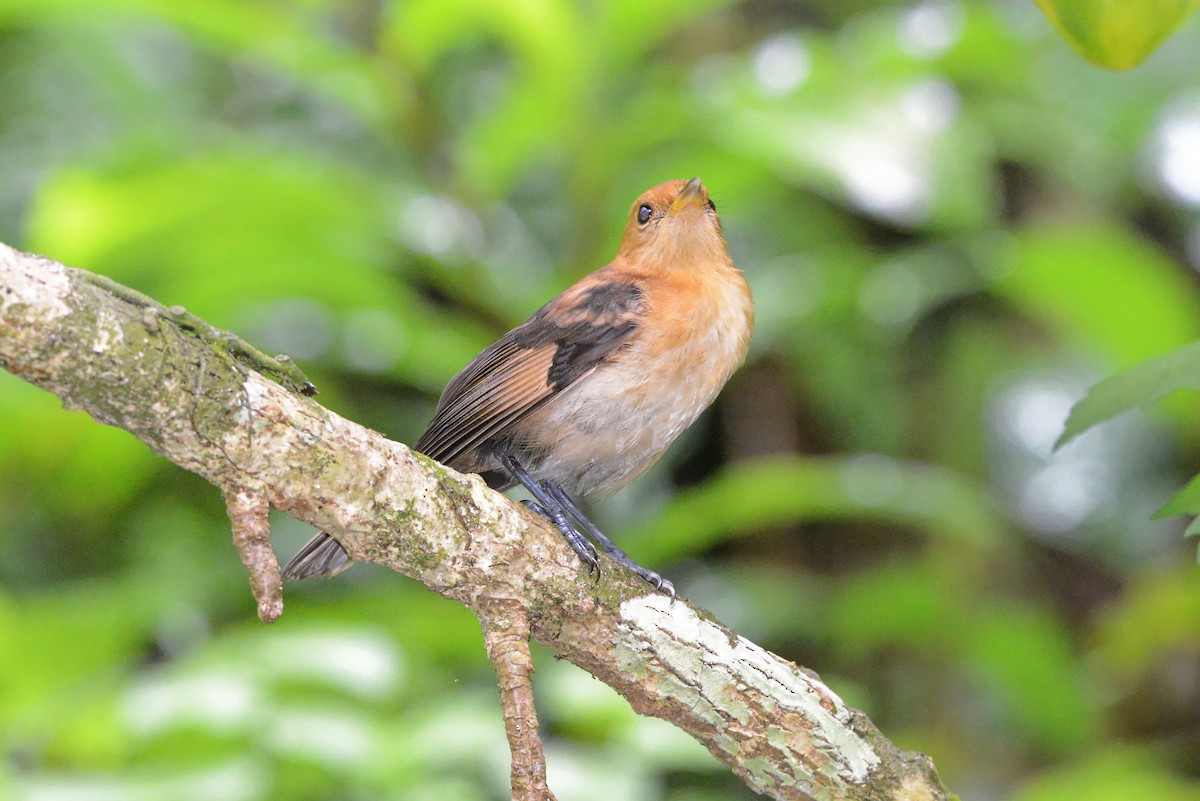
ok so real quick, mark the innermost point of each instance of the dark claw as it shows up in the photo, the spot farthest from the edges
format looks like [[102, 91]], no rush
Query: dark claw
[[536, 508], [656, 581]]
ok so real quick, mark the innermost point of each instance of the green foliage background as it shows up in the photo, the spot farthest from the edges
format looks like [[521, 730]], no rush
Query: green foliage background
[[952, 224]]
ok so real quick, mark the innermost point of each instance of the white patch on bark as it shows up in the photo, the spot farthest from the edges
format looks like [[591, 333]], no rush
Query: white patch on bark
[[732, 665], [108, 332], [256, 389], [33, 281]]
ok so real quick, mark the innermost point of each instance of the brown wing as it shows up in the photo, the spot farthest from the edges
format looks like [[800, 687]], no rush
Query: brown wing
[[563, 341]]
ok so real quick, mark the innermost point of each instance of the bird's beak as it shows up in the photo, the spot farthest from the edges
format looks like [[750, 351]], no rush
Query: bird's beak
[[691, 196]]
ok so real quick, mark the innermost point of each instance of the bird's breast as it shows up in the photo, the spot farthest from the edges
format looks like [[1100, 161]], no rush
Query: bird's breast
[[615, 422]]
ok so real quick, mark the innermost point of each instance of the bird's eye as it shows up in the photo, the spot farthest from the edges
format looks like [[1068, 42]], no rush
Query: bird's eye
[[644, 213]]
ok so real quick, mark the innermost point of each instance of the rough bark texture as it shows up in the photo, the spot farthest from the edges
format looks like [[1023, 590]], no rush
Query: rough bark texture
[[248, 513], [186, 391], [506, 635]]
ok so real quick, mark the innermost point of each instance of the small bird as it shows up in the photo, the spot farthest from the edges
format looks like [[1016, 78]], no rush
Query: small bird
[[588, 393]]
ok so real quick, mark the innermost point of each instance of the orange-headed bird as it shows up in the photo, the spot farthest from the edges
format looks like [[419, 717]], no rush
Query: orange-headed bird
[[588, 393]]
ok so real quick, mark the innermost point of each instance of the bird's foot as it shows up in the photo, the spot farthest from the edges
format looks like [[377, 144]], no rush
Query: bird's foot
[[579, 543]]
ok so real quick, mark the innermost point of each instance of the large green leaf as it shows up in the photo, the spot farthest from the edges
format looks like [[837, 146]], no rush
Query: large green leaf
[[1133, 387], [1117, 34], [1136, 386]]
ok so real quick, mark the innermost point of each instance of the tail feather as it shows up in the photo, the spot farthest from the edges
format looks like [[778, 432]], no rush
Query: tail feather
[[322, 556]]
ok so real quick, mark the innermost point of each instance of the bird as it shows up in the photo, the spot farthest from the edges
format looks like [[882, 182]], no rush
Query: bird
[[588, 393]]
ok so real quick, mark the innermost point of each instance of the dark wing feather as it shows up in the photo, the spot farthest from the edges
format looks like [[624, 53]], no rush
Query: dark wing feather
[[529, 365]]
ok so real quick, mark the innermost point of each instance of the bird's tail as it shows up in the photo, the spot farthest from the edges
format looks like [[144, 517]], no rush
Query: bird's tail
[[322, 556]]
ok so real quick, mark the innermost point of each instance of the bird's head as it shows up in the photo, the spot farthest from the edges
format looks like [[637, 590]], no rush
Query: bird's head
[[673, 226]]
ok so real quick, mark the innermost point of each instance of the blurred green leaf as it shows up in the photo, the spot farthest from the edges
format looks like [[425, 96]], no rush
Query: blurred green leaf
[[1102, 284], [1026, 659], [1117, 34], [910, 605], [751, 495], [53, 469], [285, 221], [282, 34], [68, 650], [531, 107], [1112, 774], [290, 226], [1136, 386], [862, 131], [1157, 616], [630, 28]]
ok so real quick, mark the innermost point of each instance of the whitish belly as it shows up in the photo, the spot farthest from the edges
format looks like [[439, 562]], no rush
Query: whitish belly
[[616, 422]]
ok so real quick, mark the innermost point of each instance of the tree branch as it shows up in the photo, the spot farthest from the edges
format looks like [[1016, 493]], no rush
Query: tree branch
[[506, 635], [189, 395], [252, 537]]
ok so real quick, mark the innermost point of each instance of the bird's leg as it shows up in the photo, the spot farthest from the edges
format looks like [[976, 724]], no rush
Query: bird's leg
[[611, 548], [548, 506]]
